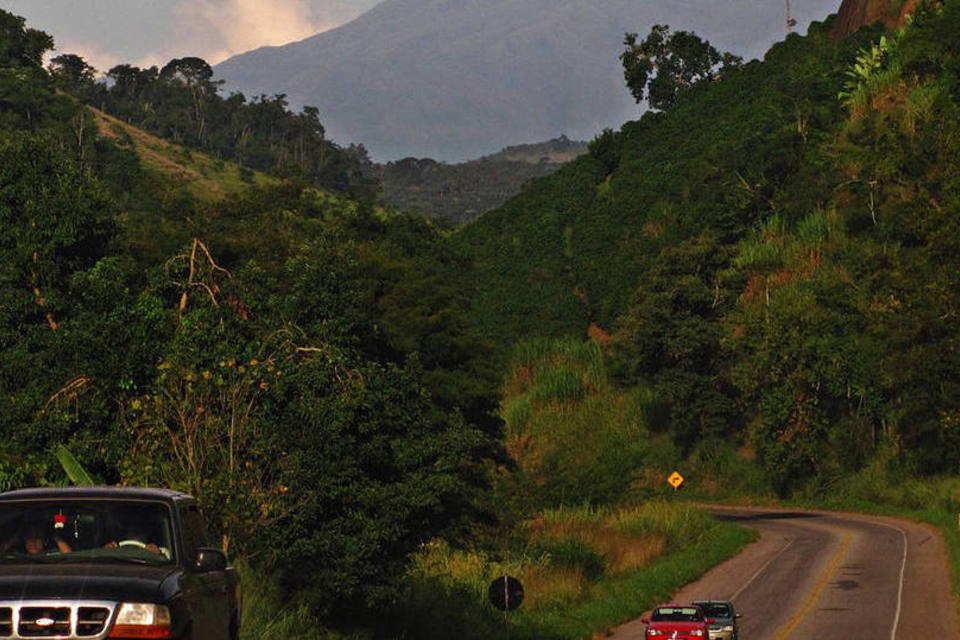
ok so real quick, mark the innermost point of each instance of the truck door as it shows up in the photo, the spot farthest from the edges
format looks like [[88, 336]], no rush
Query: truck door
[[204, 593]]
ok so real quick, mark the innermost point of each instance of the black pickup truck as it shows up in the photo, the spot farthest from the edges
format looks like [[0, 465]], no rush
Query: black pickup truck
[[111, 562]]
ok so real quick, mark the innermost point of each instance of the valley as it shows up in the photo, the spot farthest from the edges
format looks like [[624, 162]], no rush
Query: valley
[[389, 384]]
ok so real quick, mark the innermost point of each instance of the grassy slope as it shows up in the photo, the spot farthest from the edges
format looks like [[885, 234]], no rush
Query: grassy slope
[[206, 179]]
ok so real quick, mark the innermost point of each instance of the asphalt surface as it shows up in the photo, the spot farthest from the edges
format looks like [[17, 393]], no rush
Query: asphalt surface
[[834, 576]]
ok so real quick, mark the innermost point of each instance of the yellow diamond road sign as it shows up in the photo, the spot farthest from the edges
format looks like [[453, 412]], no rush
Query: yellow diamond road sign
[[675, 480]]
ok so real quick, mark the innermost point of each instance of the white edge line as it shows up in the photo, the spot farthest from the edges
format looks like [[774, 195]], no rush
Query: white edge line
[[903, 570], [763, 568]]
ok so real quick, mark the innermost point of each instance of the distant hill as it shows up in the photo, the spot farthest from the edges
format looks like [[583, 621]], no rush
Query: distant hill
[[461, 192], [555, 151], [458, 79]]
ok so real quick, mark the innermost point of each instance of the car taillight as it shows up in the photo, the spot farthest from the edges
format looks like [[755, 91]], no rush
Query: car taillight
[[141, 620]]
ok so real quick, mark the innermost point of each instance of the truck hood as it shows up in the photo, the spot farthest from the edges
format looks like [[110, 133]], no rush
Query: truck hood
[[92, 581]]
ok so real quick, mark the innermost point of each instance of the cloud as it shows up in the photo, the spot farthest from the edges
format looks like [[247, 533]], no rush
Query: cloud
[[217, 29], [95, 55]]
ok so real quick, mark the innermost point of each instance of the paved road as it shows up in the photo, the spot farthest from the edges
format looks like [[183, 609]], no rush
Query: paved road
[[833, 576]]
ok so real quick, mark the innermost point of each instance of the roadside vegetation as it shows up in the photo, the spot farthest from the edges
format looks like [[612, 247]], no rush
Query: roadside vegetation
[[776, 272], [756, 284]]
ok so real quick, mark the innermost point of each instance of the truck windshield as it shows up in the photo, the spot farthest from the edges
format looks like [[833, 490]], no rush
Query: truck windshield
[[85, 530]]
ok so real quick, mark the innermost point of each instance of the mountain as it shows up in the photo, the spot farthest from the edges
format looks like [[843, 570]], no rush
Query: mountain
[[458, 79]]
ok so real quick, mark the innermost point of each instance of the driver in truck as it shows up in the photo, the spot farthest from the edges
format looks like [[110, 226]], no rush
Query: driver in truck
[[135, 538]]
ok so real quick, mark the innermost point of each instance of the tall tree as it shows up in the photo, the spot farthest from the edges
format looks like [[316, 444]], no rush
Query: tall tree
[[197, 75], [72, 74], [20, 46], [668, 64]]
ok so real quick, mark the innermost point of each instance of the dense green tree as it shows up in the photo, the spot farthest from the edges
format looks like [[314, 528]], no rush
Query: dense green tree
[[283, 404], [73, 74], [27, 97], [19, 45], [669, 340], [666, 65], [57, 228]]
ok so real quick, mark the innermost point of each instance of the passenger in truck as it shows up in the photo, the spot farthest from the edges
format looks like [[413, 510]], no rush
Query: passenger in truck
[[35, 543]]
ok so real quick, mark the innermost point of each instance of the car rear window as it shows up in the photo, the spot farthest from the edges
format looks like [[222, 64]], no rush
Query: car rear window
[[716, 610], [677, 614]]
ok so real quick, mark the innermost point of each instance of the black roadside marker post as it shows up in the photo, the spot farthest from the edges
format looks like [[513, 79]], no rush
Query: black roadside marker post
[[506, 594]]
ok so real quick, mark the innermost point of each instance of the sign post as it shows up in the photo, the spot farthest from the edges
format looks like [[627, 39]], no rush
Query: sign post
[[506, 594]]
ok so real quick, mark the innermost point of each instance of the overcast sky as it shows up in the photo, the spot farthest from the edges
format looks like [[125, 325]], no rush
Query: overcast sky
[[152, 32]]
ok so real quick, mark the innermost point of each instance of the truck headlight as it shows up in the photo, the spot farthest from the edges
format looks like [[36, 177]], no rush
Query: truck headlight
[[141, 620]]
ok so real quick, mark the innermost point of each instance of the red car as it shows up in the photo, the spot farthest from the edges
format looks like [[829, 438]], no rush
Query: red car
[[678, 622]]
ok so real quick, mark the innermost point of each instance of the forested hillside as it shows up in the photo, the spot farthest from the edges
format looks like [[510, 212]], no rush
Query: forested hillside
[[294, 357], [772, 258], [758, 280], [181, 102]]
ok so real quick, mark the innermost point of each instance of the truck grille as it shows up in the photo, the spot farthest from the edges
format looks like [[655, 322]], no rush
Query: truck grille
[[55, 619]]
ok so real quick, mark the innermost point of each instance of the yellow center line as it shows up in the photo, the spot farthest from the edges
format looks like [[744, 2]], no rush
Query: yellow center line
[[822, 583]]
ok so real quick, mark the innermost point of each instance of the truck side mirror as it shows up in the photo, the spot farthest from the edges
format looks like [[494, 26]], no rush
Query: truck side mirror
[[209, 559]]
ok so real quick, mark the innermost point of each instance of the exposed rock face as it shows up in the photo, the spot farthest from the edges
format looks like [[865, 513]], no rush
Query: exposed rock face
[[855, 14]]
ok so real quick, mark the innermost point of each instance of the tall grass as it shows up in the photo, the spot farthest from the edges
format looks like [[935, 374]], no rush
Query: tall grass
[[558, 384], [266, 616], [537, 353], [583, 569], [573, 436]]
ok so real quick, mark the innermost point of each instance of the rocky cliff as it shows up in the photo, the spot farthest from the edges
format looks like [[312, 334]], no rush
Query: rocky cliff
[[854, 14]]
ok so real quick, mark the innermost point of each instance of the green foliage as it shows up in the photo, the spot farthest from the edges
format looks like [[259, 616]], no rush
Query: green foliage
[[875, 70], [774, 274], [72, 467], [584, 570], [20, 46], [306, 369], [558, 397], [267, 614], [557, 385], [180, 102], [667, 65], [670, 341], [57, 228], [573, 248]]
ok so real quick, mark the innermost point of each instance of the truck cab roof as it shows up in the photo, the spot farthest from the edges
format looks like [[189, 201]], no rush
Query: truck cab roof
[[98, 492]]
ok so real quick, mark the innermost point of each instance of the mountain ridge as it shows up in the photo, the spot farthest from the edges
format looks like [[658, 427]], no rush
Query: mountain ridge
[[459, 79]]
